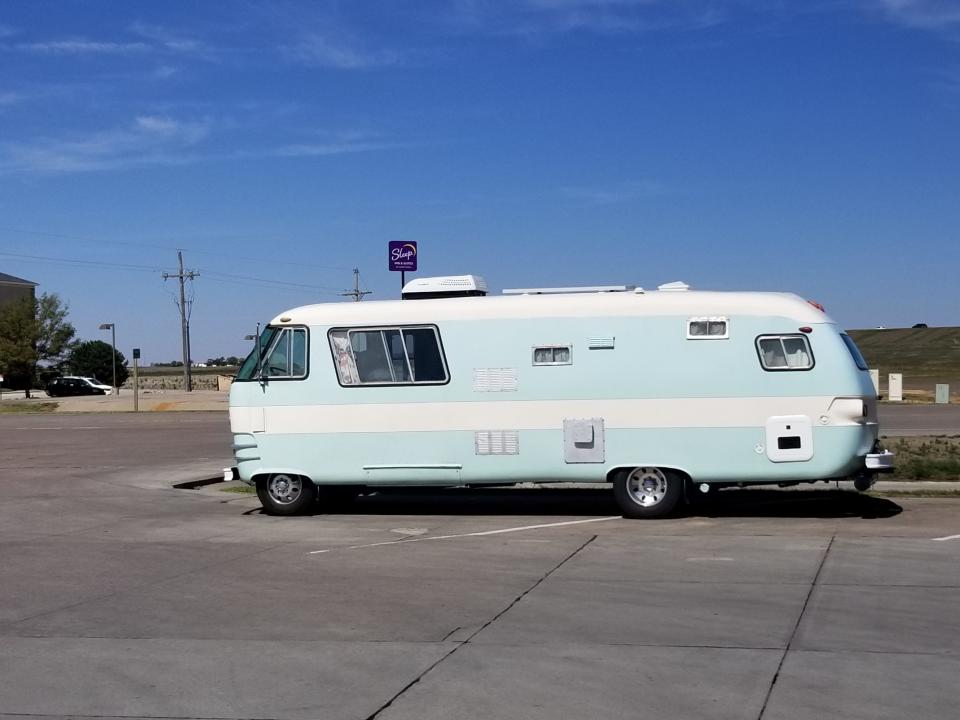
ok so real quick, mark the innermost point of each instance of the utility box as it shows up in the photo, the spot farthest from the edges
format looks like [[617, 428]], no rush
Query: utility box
[[583, 440], [943, 394], [895, 387]]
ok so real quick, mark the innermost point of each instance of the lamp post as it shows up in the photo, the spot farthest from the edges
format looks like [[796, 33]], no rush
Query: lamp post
[[113, 358]]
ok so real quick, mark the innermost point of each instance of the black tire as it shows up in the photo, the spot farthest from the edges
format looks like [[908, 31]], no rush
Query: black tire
[[647, 492], [286, 494]]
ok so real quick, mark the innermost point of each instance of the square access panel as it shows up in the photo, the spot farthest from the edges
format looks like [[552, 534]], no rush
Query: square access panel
[[583, 440]]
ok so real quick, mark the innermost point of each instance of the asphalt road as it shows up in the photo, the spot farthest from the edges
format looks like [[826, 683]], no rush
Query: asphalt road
[[911, 419], [121, 597]]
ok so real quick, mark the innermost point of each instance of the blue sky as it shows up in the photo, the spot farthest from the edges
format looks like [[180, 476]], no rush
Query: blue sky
[[741, 144]]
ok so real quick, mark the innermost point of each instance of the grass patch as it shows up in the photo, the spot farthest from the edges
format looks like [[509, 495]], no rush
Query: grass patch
[[926, 458], [21, 406], [916, 352], [240, 489]]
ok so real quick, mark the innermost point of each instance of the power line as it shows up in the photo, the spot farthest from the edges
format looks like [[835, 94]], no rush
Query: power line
[[156, 268], [72, 261], [95, 241], [267, 280], [279, 288]]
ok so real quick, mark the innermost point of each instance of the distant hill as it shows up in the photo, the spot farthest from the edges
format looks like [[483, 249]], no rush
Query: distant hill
[[932, 353]]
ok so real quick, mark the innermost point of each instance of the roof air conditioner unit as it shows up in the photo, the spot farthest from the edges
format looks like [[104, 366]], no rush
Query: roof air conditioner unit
[[445, 287]]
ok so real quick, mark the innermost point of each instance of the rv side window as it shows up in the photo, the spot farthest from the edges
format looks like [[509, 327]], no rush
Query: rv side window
[[388, 356], [708, 328], [784, 352], [287, 357], [553, 355]]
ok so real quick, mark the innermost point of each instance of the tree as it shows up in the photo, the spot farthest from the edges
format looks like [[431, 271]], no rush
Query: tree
[[34, 333], [92, 358], [18, 335], [55, 336]]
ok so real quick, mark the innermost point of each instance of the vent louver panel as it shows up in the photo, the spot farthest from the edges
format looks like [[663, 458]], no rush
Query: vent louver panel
[[495, 380], [497, 442]]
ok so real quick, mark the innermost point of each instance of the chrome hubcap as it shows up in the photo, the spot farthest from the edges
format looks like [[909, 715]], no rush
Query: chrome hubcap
[[284, 489], [647, 486]]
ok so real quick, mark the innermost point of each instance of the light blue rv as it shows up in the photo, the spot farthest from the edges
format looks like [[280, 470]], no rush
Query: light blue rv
[[657, 392]]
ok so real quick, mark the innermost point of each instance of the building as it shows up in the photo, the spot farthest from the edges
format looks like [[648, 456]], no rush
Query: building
[[14, 288]]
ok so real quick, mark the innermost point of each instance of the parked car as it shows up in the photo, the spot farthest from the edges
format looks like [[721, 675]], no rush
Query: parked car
[[72, 385]]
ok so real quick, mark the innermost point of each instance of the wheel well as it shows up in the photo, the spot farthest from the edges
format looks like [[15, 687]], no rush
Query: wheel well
[[264, 475], [626, 468]]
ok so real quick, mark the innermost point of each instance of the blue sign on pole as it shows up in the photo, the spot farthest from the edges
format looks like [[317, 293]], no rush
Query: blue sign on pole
[[403, 256]]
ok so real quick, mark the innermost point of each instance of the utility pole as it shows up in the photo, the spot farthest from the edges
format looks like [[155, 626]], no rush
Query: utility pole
[[184, 319], [357, 294]]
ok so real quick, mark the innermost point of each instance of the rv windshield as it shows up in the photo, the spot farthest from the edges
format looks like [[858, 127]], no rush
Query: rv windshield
[[250, 370]]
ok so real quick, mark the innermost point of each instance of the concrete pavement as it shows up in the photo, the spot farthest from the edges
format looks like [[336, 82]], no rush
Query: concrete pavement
[[121, 597]]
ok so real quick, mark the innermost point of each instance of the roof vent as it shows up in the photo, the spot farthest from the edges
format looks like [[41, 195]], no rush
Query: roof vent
[[677, 286], [445, 287]]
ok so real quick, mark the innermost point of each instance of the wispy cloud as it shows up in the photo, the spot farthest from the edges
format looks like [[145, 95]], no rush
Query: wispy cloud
[[543, 17], [318, 50], [82, 46], [925, 14], [342, 147], [174, 41], [9, 99], [148, 140], [613, 194], [164, 72]]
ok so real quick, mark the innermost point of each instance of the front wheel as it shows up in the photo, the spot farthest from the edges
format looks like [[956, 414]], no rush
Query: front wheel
[[647, 492], [285, 494]]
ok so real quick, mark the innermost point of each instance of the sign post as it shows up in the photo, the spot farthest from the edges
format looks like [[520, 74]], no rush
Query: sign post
[[401, 258], [1, 387], [136, 388]]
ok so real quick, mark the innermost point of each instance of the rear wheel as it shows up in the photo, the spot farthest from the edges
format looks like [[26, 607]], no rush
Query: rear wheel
[[286, 494], [647, 492]]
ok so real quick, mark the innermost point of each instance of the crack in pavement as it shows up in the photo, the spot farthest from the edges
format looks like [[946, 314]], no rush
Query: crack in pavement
[[479, 630], [796, 626]]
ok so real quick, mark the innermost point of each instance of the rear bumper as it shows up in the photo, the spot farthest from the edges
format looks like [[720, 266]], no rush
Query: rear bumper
[[881, 462]]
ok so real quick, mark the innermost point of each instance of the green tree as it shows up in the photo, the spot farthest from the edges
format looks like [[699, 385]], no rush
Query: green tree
[[34, 335], [55, 336], [92, 358], [18, 352]]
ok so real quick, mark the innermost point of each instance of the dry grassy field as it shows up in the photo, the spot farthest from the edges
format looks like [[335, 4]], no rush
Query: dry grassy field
[[925, 356]]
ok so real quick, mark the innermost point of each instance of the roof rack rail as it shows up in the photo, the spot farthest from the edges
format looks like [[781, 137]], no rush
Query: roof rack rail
[[569, 290]]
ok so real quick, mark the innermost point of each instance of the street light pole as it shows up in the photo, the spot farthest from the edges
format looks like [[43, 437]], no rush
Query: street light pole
[[113, 358]]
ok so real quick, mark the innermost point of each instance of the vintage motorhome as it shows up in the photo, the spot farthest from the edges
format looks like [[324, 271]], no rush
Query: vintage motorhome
[[655, 392]]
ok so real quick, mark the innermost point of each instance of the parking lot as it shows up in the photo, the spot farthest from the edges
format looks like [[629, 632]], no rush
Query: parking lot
[[123, 597]]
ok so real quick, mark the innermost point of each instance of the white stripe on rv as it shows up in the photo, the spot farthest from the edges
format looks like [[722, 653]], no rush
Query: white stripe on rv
[[535, 415]]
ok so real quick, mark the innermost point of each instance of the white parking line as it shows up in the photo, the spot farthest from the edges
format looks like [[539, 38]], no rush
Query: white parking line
[[473, 534], [948, 537]]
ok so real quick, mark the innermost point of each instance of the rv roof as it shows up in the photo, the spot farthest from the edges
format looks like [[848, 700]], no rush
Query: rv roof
[[382, 312]]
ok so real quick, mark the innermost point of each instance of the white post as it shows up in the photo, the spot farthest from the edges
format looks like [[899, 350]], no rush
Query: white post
[[943, 394], [875, 376], [895, 387]]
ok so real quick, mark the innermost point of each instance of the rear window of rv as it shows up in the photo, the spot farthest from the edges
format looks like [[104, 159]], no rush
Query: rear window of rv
[[784, 352], [855, 352], [388, 356]]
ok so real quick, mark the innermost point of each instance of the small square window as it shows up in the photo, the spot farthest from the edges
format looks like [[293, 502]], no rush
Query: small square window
[[553, 355], [708, 328]]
